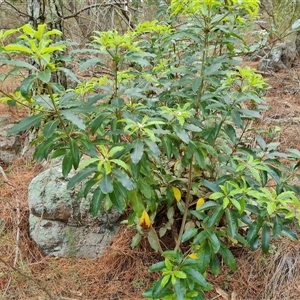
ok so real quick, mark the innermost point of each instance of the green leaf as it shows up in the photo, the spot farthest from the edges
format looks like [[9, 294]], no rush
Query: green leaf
[[253, 231], [69, 73], [26, 87], [180, 288], [18, 48], [204, 256], [200, 238], [137, 202], [44, 76], [18, 63], [124, 179], [167, 145], [165, 280], [215, 217], [90, 62], [32, 121], [286, 231], [228, 257], [230, 131], [198, 278], [215, 265], [152, 147], [50, 128], [98, 198], [117, 200], [75, 153], [157, 266], [80, 176], [188, 234], [106, 185], [236, 118], [231, 222], [67, 164], [214, 240], [181, 133], [138, 150], [74, 119], [277, 226], [265, 238], [153, 241], [157, 291]]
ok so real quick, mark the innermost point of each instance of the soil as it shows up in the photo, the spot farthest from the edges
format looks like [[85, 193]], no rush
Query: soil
[[122, 273]]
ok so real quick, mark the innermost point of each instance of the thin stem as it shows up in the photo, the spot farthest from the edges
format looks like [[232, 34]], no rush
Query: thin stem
[[187, 204], [56, 110]]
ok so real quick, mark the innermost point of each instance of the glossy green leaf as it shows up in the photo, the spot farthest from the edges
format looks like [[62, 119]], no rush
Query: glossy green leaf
[[198, 278], [123, 178], [286, 231], [215, 265], [180, 288], [44, 76], [228, 257], [167, 144], [50, 128], [75, 153], [232, 222], [277, 226], [73, 118], [188, 234], [157, 266], [117, 200], [32, 121], [265, 238], [26, 87], [80, 176], [67, 163], [214, 240], [253, 231], [138, 150], [204, 256], [106, 184], [215, 217], [97, 200]]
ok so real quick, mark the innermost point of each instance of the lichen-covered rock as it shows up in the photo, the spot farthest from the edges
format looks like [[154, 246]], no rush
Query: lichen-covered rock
[[281, 56], [60, 224], [9, 145]]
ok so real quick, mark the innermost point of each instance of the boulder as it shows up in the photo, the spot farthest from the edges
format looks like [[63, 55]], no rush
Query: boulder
[[61, 225], [281, 56], [9, 145]]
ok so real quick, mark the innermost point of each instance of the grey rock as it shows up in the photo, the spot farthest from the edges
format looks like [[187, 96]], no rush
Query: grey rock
[[61, 225], [9, 145], [281, 56]]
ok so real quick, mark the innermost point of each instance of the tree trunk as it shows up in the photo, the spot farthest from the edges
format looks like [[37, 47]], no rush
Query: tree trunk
[[51, 13]]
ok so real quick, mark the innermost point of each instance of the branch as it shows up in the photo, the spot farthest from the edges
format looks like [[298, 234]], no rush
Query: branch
[[75, 14], [38, 282], [16, 9]]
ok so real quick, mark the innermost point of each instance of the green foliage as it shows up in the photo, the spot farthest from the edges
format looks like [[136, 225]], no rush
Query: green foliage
[[167, 133]]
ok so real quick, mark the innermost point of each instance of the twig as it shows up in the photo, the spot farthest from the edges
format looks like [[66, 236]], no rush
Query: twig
[[3, 173], [36, 281]]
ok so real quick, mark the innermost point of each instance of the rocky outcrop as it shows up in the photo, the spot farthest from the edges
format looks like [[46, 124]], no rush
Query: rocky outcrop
[[281, 56], [61, 225], [9, 145]]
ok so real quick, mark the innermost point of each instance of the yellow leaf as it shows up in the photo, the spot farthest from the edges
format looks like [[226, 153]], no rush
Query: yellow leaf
[[145, 221], [200, 202], [177, 193], [193, 256]]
